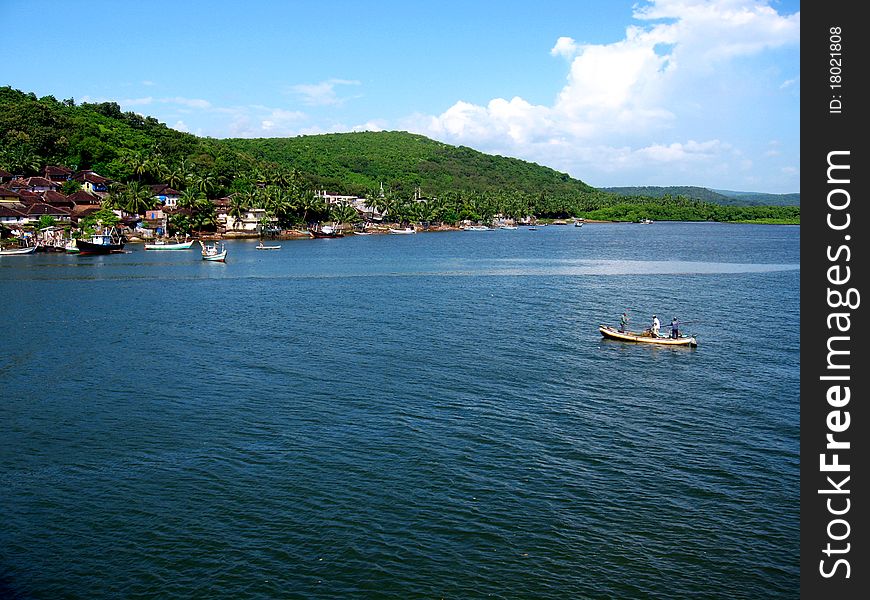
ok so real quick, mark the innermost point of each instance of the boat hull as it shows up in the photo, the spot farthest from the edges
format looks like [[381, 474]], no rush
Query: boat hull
[[179, 246], [629, 336], [18, 251], [86, 247], [324, 235]]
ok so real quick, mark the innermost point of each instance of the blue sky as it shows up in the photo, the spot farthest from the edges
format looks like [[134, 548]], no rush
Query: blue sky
[[666, 92]]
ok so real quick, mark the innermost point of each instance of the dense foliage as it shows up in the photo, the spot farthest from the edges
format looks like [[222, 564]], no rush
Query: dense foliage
[[724, 197], [421, 179]]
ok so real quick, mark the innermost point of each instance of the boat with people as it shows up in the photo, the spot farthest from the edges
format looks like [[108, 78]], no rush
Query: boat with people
[[646, 337], [101, 243], [403, 231], [167, 245], [325, 231], [262, 246], [216, 252]]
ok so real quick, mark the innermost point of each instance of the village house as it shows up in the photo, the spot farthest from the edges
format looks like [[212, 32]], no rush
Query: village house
[[57, 174], [165, 194], [93, 183]]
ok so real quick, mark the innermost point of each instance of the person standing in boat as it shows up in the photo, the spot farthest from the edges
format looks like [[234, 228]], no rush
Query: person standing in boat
[[623, 322], [675, 328], [656, 325]]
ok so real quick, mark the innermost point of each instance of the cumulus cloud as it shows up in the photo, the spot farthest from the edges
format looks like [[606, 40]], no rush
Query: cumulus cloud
[[619, 95], [323, 93], [188, 102], [565, 46]]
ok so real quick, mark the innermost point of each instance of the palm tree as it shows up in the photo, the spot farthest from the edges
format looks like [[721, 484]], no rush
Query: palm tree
[[205, 184], [138, 198], [189, 199], [344, 213], [239, 204]]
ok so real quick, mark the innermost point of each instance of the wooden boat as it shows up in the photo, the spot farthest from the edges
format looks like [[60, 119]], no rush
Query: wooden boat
[[17, 251], [101, 243], [262, 246], [326, 231], [404, 231], [216, 252], [646, 337], [164, 245]]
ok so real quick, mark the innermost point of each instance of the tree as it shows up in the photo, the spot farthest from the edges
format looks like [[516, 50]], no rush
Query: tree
[[138, 198]]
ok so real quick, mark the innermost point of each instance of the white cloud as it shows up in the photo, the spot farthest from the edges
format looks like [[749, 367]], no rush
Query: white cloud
[[565, 46], [321, 94], [188, 102], [136, 101], [619, 95], [181, 126]]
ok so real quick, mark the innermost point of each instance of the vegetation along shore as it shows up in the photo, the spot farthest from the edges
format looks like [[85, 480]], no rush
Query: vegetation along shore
[[81, 166]]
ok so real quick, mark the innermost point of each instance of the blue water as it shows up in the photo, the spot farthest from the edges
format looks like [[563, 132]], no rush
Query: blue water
[[403, 417]]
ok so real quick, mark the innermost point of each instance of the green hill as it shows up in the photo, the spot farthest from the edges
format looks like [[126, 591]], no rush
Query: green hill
[[283, 172], [721, 197], [356, 162], [35, 132]]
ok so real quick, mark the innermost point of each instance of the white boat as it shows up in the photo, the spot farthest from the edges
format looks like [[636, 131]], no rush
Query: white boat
[[578, 223], [18, 251], [165, 245], [507, 227], [361, 232], [404, 231], [262, 246], [476, 228], [216, 252]]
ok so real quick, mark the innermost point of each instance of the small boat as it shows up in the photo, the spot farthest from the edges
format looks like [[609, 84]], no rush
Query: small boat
[[645, 221], [101, 243], [404, 231], [71, 247], [18, 251], [578, 223], [476, 228], [216, 252], [326, 231], [646, 337], [262, 246], [361, 232], [165, 245], [511, 227]]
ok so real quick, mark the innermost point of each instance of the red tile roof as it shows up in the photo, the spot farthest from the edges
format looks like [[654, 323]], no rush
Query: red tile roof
[[83, 197], [41, 182], [8, 211], [40, 208]]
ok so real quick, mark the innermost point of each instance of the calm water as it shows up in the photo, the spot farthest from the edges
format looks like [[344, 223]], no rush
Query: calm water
[[402, 417]]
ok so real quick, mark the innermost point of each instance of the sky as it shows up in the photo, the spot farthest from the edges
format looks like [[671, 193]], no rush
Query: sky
[[613, 92]]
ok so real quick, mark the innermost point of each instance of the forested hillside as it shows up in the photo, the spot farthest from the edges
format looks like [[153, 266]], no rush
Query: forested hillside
[[457, 182], [723, 197]]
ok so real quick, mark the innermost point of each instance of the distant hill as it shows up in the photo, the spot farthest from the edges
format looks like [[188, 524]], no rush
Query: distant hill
[[361, 161], [722, 197]]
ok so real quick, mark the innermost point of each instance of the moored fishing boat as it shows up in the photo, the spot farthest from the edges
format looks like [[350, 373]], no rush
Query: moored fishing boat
[[404, 231], [646, 337], [17, 251], [101, 243], [216, 252], [325, 231], [165, 245]]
